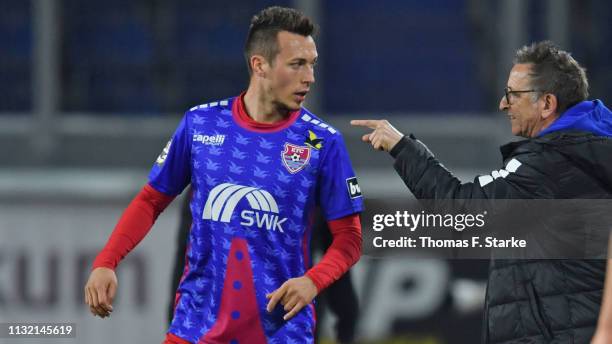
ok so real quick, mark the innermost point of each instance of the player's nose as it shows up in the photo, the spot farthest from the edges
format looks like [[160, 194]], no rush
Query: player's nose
[[309, 77]]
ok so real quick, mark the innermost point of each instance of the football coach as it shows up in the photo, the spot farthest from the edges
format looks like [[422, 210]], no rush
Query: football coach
[[566, 154]]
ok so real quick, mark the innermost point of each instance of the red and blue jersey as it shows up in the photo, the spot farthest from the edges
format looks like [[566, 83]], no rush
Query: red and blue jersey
[[254, 193]]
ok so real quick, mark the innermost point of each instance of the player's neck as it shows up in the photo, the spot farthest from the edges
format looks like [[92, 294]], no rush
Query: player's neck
[[261, 108]]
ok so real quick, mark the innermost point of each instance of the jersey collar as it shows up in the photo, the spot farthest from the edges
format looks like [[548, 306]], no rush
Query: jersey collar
[[242, 118]]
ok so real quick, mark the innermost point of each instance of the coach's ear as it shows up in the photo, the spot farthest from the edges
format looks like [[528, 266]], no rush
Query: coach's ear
[[258, 65], [550, 105]]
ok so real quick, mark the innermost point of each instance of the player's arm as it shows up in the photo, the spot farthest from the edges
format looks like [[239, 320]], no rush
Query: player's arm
[[344, 252], [133, 226], [170, 174]]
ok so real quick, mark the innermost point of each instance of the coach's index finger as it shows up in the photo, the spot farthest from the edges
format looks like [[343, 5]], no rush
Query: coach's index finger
[[369, 123]]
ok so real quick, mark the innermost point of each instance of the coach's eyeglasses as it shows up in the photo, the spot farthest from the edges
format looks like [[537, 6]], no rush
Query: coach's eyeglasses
[[508, 91]]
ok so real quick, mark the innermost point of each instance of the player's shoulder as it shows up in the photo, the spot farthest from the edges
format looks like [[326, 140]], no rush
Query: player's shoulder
[[223, 106], [317, 126]]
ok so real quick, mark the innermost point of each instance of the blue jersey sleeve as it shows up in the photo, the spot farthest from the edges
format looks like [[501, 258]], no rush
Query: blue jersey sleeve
[[338, 193], [171, 172]]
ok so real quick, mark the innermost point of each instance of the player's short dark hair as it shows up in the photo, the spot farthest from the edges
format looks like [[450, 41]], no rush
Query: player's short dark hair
[[264, 29], [555, 71]]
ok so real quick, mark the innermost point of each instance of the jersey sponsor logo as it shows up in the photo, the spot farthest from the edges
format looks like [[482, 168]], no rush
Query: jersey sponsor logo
[[511, 167], [164, 154], [295, 157], [353, 187], [223, 199], [209, 140], [313, 141]]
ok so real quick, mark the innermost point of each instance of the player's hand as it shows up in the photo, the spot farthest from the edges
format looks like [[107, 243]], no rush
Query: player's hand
[[100, 291], [384, 137], [294, 294]]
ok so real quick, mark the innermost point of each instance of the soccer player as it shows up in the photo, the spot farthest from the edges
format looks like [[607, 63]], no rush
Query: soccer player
[[258, 165]]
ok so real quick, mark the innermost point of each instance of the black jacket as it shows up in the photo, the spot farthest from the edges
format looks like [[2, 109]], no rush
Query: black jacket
[[529, 301]]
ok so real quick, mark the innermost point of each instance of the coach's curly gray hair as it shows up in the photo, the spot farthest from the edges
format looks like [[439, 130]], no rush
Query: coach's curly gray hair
[[555, 71]]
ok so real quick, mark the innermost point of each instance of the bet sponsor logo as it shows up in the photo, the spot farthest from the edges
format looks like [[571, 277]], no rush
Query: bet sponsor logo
[[353, 187]]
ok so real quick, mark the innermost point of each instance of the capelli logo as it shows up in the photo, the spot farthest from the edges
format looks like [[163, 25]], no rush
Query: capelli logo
[[209, 140]]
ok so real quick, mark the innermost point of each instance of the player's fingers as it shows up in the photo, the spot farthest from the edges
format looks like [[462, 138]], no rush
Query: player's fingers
[[101, 294], [269, 295], [94, 306], [370, 123], [102, 312], [86, 295], [103, 298], [90, 301], [96, 303], [92, 309], [365, 138], [94, 297], [275, 297], [273, 301], [290, 304], [112, 291], [287, 297], [293, 311], [90, 295]]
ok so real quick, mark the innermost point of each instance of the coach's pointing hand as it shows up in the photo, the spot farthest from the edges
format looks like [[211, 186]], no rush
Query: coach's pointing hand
[[294, 294], [100, 291], [384, 137]]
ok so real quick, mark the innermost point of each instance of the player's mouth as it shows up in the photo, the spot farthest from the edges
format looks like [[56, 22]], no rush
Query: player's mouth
[[300, 96]]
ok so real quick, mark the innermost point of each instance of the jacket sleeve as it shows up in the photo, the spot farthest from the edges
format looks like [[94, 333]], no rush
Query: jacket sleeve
[[427, 178]]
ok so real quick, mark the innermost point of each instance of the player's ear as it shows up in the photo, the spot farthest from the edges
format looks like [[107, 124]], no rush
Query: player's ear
[[258, 65]]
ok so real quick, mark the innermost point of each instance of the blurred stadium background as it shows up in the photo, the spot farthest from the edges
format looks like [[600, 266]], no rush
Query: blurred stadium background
[[90, 91]]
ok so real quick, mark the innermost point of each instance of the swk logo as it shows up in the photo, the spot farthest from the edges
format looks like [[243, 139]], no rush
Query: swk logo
[[223, 199]]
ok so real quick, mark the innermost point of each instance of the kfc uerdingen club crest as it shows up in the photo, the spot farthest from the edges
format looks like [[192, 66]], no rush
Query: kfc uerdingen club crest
[[295, 157]]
